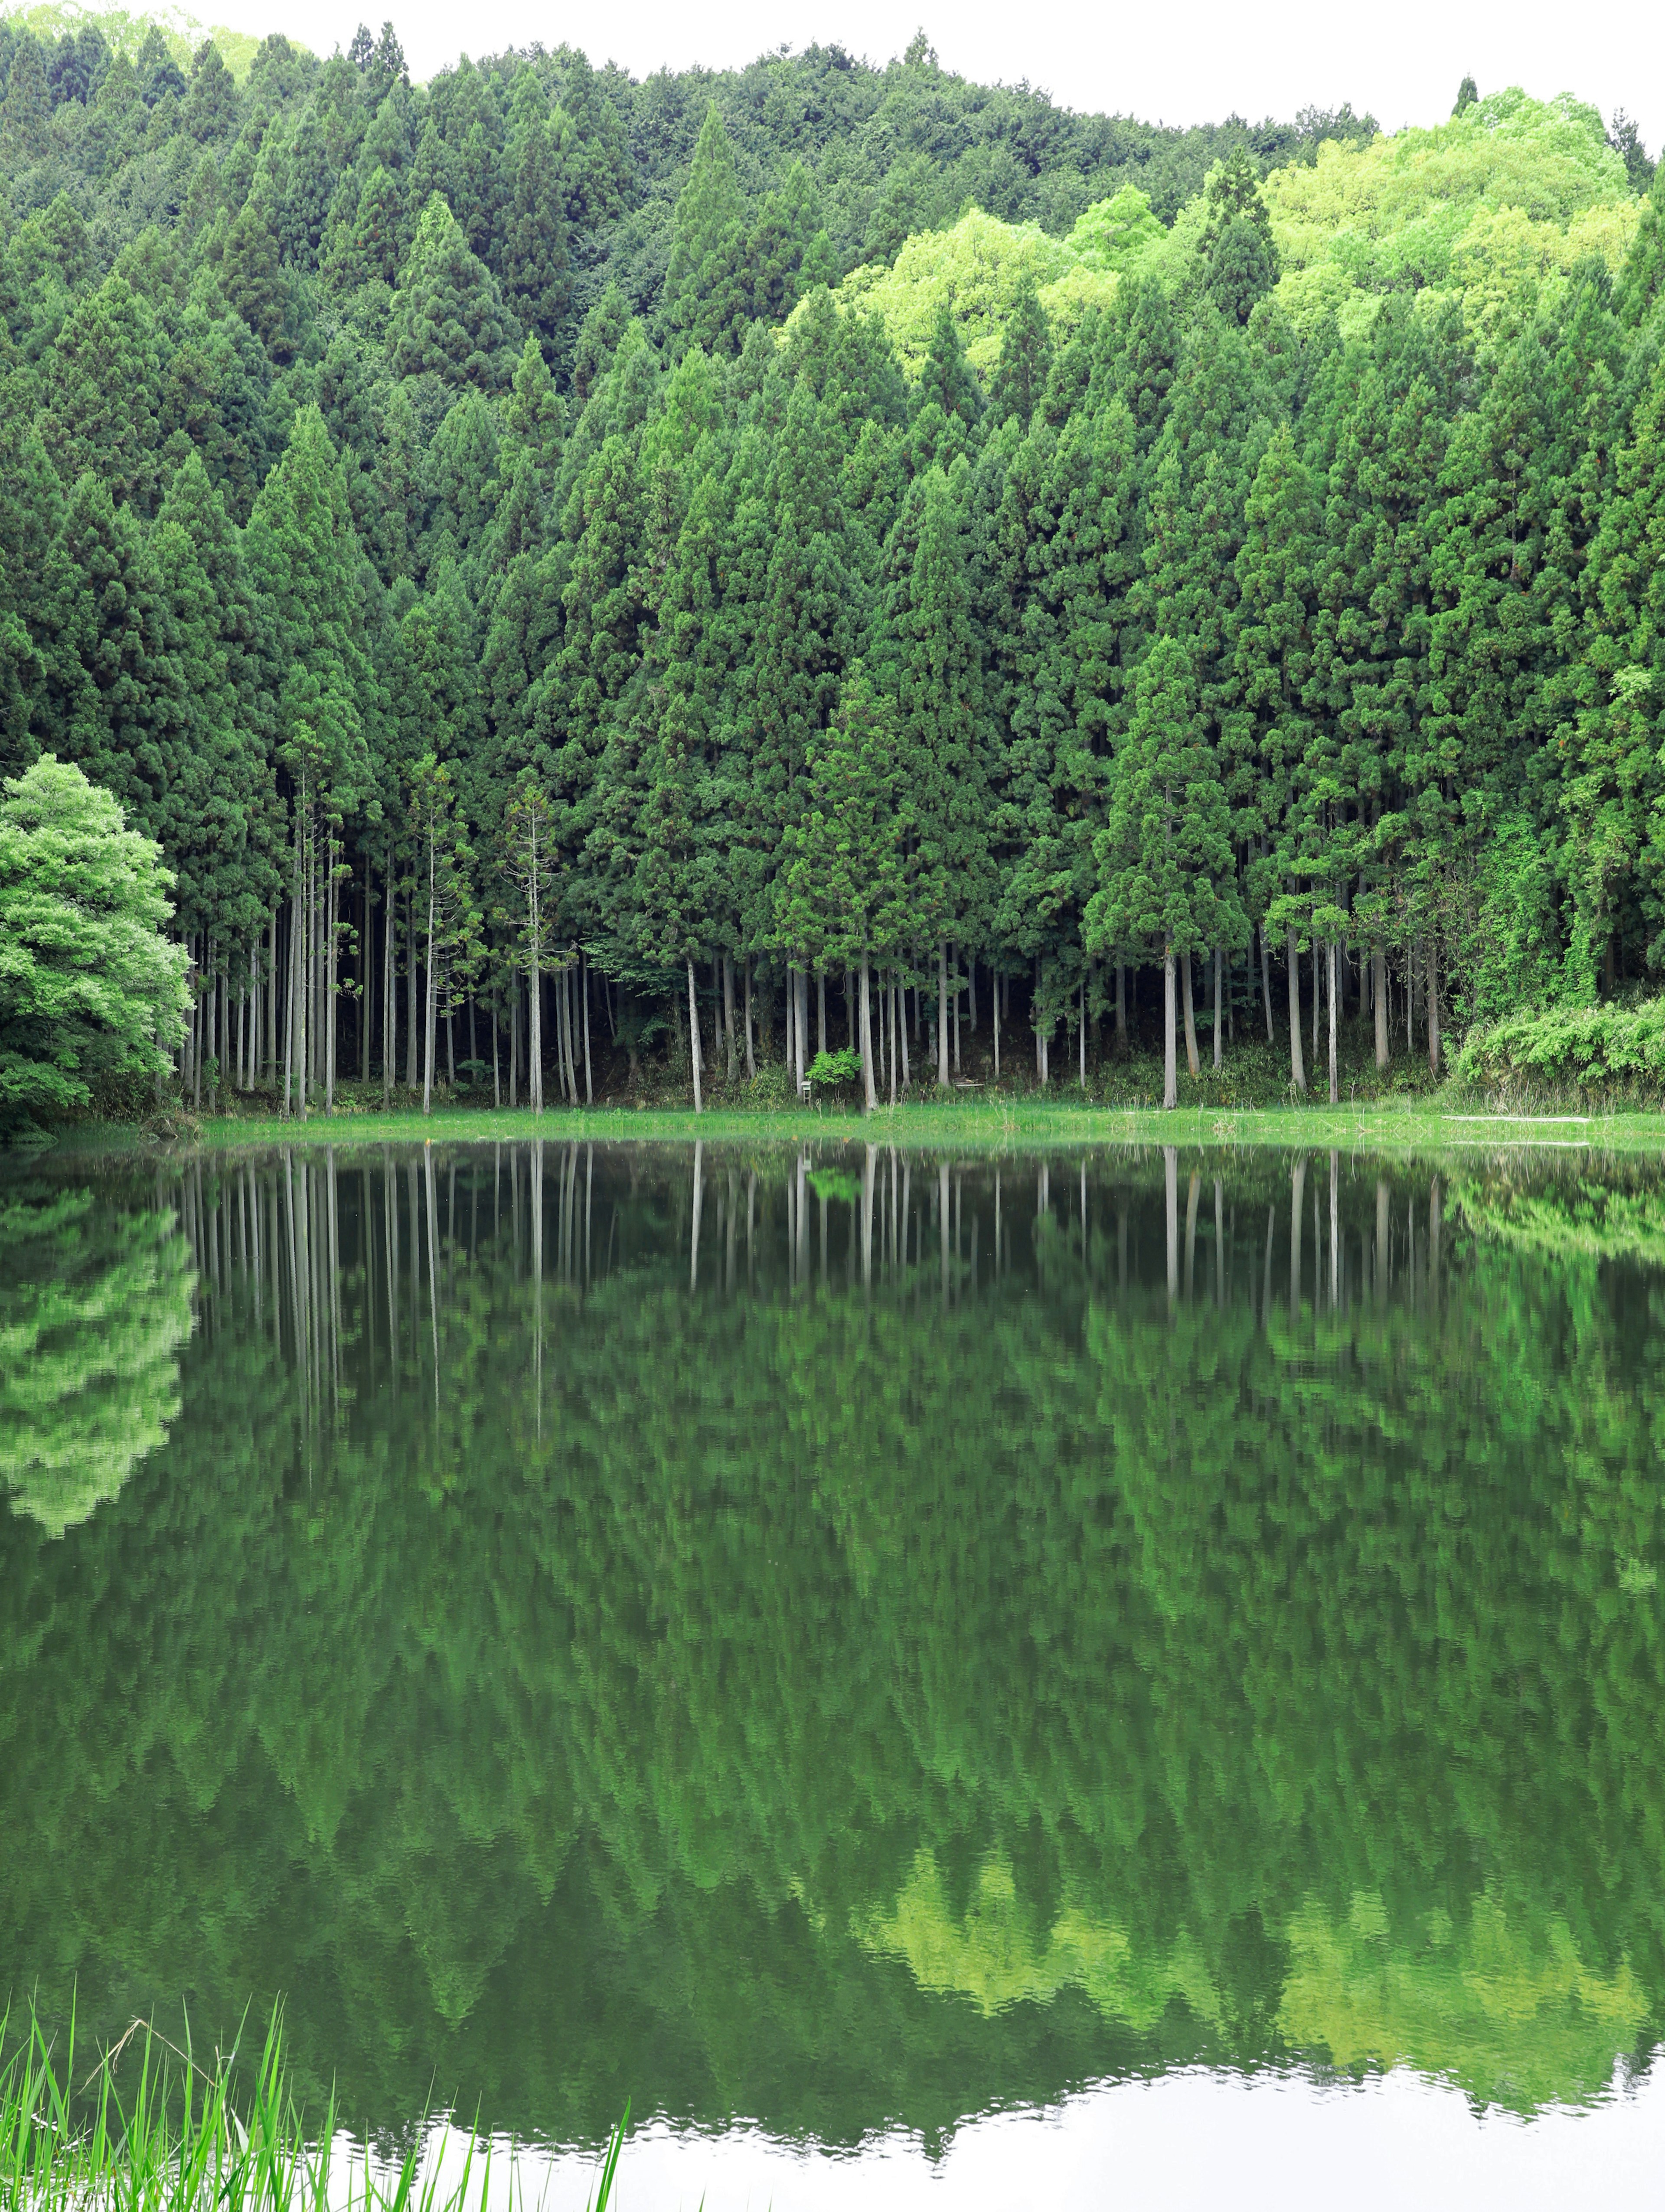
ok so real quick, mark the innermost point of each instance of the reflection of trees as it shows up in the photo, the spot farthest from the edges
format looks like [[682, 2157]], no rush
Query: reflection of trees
[[837, 1709], [94, 1305]]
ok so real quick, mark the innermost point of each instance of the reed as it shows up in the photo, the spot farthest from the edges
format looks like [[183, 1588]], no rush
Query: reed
[[150, 2129]]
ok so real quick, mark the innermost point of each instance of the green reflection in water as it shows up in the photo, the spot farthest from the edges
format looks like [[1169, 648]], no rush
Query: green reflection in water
[[849, 1639]]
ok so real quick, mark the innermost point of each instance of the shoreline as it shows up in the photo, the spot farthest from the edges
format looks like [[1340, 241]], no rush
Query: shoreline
[[1025, 1124]]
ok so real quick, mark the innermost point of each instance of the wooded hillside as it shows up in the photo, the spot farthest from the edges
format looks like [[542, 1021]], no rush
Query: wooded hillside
[[710, 539]]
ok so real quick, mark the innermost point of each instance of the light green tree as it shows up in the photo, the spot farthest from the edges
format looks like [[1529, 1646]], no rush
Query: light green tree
[[88, 984]]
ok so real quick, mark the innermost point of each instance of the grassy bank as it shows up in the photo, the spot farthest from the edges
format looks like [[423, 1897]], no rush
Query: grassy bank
[[150, 2129], [968, 1120]]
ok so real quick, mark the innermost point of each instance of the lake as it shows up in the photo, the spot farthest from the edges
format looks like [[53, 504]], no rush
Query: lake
[[1128, 1677]]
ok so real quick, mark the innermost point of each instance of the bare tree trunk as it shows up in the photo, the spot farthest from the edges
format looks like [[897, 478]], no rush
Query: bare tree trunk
[[411, 1028], [390, 1002], [1335, 1089], [1083, 1041], [994, 995], [1433, 1003], [866, 1050], [331, 975], [1169, 1040], [1379, 998], [942, 1014], [902, 1029], [1120, 1007], [1317, 993], [1191, 1062], [751, 1059], [820, 1009], [584, 986], [1265, 982], [1219, 1025], [1297, 1073], [693, 1037], [430, 1016], [728, 1015]]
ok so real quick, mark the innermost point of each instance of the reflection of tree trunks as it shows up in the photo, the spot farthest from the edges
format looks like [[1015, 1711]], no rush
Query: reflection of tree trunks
[[694, 1233], [1219, 1243], [1380, 1242], [536, 1209], [1266, 1285], [1192, 1190], [1336, 1225], [1170, 1164], [1296, 1192], [1434, 1212], [434, 1276], [942, 1227]]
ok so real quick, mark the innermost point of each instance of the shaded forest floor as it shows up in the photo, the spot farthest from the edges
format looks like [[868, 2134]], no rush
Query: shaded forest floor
[[1248, 1100]]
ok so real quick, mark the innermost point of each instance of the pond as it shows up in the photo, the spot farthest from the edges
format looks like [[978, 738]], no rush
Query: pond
[[997, 1679]]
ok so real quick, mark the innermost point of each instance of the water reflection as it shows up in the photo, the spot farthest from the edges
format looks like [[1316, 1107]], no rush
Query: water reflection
[[844, 1639]]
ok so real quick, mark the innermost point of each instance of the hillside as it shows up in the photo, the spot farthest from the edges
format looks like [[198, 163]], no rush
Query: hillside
[[833, 511]]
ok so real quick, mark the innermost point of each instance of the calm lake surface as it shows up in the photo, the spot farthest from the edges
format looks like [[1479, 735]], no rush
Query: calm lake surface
[[1128, 1678]]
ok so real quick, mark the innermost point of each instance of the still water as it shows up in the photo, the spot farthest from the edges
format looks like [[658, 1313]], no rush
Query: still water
[[1132, 1677]]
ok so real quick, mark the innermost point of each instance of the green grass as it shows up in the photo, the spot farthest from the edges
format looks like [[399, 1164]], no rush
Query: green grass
[[983, 1122], [149, 2129]]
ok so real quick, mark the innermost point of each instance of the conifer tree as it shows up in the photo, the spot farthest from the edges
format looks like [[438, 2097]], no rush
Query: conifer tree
[[1164, 854], [448, 317]]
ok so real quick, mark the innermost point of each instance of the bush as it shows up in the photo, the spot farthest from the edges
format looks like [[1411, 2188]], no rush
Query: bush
[[1596, 1051], [829, 1069]]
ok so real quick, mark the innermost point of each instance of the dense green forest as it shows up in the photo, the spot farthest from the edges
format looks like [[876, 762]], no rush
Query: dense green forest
[[1019, 1623], [830, 559]]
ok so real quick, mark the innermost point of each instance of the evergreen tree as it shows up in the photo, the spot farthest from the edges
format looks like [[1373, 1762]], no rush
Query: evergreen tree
[[448, 317], [1164, 854]]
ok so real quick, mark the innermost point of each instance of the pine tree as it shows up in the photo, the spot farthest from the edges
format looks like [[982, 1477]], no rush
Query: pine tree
[[1166, 884], [448, 317], [102, 386]]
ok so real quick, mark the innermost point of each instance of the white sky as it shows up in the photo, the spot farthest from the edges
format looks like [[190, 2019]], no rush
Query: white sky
[[1188, 62]]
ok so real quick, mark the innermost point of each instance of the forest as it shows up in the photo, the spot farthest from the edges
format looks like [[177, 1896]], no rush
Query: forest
[[590, 581]]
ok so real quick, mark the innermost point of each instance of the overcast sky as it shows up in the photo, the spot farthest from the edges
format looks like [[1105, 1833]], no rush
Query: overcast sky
[[1193, 61]]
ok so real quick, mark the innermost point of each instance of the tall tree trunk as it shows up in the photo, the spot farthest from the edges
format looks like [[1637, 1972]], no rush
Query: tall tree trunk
[[1219, 1022], [1170, 1039], [514, 1042], [1297, 1073], [1082, 1040], [901, 1030], [866, 1048], [1335, 1090], [942, 1014], [584, 989], [820, 1009], [1433, 1003], [1379, 999], [751, 1058], [1120, 1008], [1191, 1061], [430, 1016], [412, 1032], [1317, 993], [693, 1037], [728, 1020], [1266, 981], [994, 994], [331, 975]]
